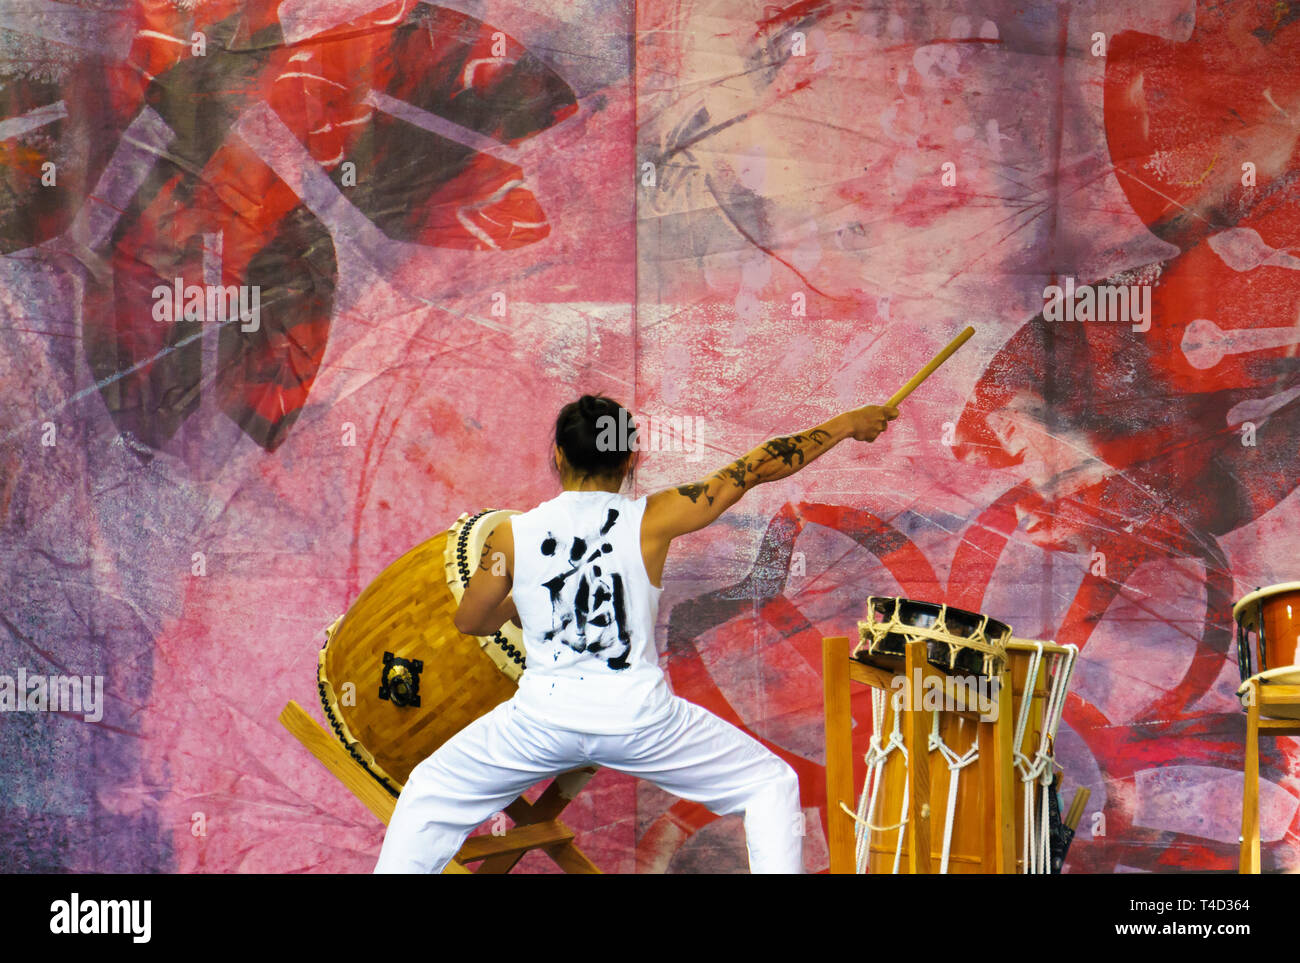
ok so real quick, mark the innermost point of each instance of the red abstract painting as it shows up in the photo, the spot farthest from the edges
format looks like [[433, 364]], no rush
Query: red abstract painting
[[287, 287]]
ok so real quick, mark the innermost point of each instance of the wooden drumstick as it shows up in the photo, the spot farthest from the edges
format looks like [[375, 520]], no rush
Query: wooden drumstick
[[930, 368], [1077, 805]]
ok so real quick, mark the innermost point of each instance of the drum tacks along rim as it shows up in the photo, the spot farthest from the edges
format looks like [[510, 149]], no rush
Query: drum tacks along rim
[[956, 639], [329, 702]]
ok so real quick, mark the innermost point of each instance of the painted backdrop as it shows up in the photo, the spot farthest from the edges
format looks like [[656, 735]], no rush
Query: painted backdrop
[[737, 217]]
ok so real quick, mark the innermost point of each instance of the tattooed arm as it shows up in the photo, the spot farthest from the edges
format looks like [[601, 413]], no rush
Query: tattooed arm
[[688, 508], [486, 604]]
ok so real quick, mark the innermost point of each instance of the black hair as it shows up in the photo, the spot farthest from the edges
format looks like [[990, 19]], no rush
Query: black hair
[[590, 433]]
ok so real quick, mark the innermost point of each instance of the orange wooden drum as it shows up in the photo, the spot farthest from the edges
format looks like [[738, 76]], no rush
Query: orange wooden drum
[[963, 779], [396, 678], [1268, 638]]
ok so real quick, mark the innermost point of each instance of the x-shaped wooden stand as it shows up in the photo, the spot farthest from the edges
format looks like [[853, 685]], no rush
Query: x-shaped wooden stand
[[537, 825]]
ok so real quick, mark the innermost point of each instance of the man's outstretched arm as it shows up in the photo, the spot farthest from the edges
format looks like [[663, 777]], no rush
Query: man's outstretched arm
[[688, 508]]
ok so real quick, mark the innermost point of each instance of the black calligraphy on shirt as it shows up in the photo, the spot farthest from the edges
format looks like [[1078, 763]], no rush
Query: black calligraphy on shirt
[[588, 602]]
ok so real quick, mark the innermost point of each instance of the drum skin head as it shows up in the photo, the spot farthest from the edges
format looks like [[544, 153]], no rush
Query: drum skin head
[[947, 653], [397, 680], [1262, 594]]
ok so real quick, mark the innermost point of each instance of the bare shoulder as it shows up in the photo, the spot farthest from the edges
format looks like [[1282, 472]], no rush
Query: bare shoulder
[[664, 504], [502, 534], [687, 508], [498, 549]]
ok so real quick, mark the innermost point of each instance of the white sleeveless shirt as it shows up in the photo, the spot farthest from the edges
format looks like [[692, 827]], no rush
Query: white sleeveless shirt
[[588, 614]]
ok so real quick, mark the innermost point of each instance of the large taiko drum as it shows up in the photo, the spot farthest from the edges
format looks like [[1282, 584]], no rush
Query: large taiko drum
[[396, 678], [1268, 639], [963, 779]]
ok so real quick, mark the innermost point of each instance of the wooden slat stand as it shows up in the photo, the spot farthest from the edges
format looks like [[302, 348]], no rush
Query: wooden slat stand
[[537, 825], [839, 672], [1264, 699]]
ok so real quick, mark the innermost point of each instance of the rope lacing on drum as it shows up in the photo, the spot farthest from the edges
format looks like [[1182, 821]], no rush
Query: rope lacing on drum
[[956, 764], [1039, 772], [877, 755], [1036, 772], [872, 633]]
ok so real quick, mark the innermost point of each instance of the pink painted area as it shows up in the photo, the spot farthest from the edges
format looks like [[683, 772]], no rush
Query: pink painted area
[[802, 249]]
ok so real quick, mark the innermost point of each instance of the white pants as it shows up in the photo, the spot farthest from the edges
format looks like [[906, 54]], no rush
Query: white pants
[[692, 754]]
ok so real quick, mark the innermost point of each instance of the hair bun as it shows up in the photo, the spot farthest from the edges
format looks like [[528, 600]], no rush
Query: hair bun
[[582, 434]]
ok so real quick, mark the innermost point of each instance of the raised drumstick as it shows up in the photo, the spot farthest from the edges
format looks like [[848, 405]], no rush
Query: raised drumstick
[[930, 368]]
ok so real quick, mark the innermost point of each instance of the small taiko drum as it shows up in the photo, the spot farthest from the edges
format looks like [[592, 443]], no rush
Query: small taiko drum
[[963, 779], [396, 678], [957, 641], [1268, 639]]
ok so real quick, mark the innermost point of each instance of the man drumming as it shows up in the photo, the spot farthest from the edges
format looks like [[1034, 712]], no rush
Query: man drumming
[[581, 575]]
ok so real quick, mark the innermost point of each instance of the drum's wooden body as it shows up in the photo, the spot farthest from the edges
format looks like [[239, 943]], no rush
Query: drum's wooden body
[[1270, 618], [397, 679], [1268, 640], [973, 839]]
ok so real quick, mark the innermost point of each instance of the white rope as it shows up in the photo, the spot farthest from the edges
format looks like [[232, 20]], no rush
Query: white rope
[[875, 760], [1063, 669], [1040, 770], [1045, 832], [1035, 773], [1027, 768], [876, 757], [896, 741], [898, 846], [956, 764]]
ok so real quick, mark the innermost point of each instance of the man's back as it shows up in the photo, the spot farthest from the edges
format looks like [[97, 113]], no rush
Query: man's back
[[588, 611]]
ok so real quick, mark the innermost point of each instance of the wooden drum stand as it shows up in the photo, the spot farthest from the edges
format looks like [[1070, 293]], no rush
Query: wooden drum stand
[[993, 783], [1268, 653], [536, 825]]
